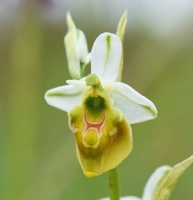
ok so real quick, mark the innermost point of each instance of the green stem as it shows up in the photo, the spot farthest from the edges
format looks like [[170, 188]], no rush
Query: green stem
[[114, 184]]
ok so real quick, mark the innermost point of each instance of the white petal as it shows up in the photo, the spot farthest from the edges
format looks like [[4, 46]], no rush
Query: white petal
[[64, 97], [135, 107], [154, 181], [105, 56], [78, 83]]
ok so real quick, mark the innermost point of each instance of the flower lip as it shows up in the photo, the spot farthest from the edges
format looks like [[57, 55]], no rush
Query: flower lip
[[90, 174]]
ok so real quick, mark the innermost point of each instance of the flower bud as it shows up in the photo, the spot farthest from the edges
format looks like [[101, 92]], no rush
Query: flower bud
[[76, 48]]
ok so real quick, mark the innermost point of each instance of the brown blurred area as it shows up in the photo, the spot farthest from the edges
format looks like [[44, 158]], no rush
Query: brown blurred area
[[37, 149]]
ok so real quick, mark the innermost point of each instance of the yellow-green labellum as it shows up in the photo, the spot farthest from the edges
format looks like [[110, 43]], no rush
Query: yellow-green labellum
[[103, 135]]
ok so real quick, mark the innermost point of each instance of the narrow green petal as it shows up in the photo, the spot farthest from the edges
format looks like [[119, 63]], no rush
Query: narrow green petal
[[121, 26], [166, 185], [121, 32]]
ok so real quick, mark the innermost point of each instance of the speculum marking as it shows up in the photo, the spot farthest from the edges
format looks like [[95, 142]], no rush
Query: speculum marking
[[94, 125]]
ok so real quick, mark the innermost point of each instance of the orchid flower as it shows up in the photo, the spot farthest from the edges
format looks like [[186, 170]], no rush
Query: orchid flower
[[161, 183], [100, 109]]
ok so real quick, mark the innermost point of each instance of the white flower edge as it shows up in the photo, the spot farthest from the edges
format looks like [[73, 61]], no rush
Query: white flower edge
[[105, 59]]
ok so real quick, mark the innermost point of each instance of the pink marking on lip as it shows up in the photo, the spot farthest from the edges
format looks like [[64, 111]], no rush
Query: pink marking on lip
[[94, 125]]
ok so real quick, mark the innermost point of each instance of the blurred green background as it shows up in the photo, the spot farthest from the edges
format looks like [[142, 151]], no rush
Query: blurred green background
[[37, 148]]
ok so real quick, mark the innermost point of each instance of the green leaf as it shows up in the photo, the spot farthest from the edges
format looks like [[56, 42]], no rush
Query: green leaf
[[166, 185]]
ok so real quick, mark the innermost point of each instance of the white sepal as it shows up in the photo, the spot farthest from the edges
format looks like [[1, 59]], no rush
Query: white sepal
[[135, 106], [64, 97], [105, 56]]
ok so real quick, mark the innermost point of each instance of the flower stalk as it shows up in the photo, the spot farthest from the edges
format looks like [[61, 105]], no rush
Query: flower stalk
[[114, 187]]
